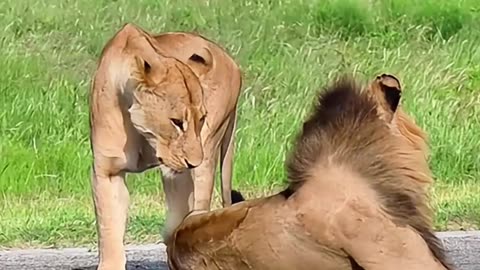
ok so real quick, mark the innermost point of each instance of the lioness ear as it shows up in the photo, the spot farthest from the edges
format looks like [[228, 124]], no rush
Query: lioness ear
[[200, 62], [391, 89], [143, 65], [143, 47]]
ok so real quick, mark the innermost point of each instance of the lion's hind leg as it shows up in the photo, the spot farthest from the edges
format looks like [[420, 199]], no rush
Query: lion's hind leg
[[375, 241]]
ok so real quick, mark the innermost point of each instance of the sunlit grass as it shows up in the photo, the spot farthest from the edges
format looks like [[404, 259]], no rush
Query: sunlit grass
[[287, 50]]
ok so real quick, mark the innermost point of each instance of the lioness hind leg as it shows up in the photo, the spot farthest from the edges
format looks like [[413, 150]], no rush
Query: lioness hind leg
[[110, 196], [227, 149]]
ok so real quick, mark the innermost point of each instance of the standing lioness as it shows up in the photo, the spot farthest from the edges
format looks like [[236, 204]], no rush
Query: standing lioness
[[169, 101]]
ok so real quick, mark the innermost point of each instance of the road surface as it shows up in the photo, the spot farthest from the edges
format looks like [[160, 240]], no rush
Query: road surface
[[463, 247]]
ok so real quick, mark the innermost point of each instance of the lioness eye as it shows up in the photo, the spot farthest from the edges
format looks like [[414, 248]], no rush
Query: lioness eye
[[178, 123]]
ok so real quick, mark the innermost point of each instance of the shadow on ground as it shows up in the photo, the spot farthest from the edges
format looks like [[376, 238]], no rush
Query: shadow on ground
[[135, 265]]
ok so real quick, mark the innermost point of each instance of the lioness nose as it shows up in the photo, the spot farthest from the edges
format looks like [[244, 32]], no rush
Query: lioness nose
[[190, 166]]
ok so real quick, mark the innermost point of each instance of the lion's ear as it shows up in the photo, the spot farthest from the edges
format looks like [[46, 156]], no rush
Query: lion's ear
[[391, 89], [201, 62]]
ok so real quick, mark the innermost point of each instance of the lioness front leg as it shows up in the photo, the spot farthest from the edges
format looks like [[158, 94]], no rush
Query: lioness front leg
[[178, 190], [187, 193], [111, 198], [203, 181], [112, 160]]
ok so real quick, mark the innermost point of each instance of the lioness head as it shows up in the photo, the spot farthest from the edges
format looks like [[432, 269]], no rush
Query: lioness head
[[169, 111]]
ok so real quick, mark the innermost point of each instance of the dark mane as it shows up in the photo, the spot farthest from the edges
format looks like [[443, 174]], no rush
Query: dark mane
[[343, 118], [345, 129]]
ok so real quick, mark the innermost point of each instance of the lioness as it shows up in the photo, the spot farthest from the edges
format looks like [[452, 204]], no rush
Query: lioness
[[168, 101], [355, 198]]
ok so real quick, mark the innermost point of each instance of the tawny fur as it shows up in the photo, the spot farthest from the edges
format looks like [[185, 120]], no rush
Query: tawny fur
[[166, 101], [356, 198]]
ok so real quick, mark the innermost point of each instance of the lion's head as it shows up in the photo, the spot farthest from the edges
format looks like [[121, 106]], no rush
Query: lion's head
[[168, 109]]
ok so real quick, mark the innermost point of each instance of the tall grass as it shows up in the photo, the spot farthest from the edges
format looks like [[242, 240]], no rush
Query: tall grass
[[287, 51]]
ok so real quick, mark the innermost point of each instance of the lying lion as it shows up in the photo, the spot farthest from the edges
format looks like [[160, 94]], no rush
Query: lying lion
[[356, 197]]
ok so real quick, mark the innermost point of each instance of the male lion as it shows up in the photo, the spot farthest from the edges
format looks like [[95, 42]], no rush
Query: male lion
[[355, 198], [169, 101]]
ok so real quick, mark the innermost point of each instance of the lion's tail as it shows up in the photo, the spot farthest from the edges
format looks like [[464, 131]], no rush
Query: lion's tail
[[237, 197]]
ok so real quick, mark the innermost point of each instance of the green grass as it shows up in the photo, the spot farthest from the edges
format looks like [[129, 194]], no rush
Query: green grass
[[287, 51]]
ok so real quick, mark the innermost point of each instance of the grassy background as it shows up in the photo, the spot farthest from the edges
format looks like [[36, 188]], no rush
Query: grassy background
[[287, 51]]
